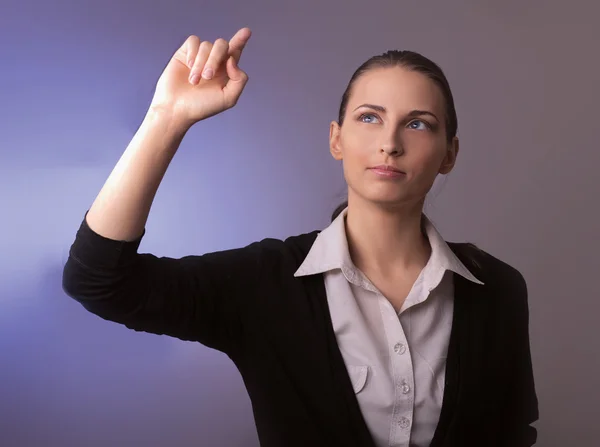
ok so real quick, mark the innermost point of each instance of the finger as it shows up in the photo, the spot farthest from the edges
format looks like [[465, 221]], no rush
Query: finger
[[238, 42], [201, 58], [191, 46], [236, 83], [216, 59]]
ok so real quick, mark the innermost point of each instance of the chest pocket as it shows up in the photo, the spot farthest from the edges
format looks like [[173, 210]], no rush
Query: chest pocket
[[358, 376]]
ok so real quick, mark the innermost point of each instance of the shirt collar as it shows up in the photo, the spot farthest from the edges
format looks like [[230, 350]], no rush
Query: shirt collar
[[330, 251]]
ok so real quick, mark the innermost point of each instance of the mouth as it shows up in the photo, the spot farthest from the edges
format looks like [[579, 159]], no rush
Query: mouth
[[387, 168], [388, 172]]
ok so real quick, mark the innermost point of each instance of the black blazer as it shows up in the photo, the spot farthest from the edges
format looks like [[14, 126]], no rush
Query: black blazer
[[277, 330]]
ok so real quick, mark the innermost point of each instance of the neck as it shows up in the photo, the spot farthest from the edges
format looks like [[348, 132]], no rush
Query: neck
[[386, 241]]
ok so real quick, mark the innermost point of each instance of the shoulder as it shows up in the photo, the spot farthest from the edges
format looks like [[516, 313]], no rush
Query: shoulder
[[504, 293], [290, 251], [493, 271]]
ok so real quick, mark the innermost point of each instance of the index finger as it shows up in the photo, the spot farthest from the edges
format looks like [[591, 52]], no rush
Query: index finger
[[238, 42]]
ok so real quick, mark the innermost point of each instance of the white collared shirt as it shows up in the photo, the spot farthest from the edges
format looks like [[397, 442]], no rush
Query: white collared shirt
[[396, 361]]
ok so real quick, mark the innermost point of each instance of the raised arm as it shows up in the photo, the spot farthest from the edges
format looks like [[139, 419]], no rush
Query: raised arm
[[121, 208], [193, 298]]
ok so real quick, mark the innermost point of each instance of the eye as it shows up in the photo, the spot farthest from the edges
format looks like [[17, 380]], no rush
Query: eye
[[419, 125], [368, 118]]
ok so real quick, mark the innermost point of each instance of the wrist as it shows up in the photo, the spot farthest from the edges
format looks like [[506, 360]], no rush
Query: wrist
[[167, 120]]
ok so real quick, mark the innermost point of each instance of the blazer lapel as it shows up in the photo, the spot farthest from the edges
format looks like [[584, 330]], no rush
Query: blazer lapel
[[464, 351], [353, 430]]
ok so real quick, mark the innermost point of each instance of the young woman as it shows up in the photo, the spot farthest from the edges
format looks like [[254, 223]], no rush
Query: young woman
[[372, 332]]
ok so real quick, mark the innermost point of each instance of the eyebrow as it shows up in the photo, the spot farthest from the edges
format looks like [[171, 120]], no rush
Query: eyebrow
[[412, 113]]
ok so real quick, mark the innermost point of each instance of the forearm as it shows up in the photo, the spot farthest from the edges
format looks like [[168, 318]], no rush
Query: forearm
[[121, 209]]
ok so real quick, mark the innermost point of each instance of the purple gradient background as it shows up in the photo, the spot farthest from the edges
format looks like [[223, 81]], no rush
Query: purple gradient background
[[75, 82]]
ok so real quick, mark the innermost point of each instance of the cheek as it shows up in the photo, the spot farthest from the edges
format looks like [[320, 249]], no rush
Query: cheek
[[427, 160], [357, 148], [357, 155], [425, 152]]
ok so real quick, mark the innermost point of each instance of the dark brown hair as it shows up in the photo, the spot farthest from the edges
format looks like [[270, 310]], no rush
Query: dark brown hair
[[411, 61]]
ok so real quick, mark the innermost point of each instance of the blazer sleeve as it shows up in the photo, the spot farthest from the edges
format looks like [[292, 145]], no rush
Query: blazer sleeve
[[522, 403], [197, 298]]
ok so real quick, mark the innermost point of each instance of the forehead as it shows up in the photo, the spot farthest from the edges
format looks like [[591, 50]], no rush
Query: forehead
[[398, 90]]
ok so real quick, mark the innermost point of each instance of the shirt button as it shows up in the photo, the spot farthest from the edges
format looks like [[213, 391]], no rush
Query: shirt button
[[404, 423], [405, 387], [399, 348]]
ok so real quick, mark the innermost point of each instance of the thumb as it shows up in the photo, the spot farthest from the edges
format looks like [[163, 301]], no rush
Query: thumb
[[237, 80]]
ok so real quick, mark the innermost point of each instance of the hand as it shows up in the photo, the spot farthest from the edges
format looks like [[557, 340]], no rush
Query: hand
[[202, 79]]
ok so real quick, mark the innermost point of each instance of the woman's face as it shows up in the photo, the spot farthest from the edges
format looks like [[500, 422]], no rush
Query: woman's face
[[394, 117]]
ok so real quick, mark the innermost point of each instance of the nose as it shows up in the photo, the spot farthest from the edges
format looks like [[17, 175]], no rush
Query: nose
[[391, 141], [391, 149]]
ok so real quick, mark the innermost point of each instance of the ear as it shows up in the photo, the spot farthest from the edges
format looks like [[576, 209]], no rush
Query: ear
[[450, 158], [334, 140]]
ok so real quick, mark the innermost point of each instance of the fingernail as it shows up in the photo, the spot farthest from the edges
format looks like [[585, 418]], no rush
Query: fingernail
[[194, 79], [208, 73]]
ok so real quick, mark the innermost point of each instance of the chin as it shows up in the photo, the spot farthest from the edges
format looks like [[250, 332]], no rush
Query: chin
[[386, 201], [385, 196], [393, 199]]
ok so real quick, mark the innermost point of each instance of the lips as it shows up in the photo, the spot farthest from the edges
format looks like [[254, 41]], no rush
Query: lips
[[388, 172], [388, 168]]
